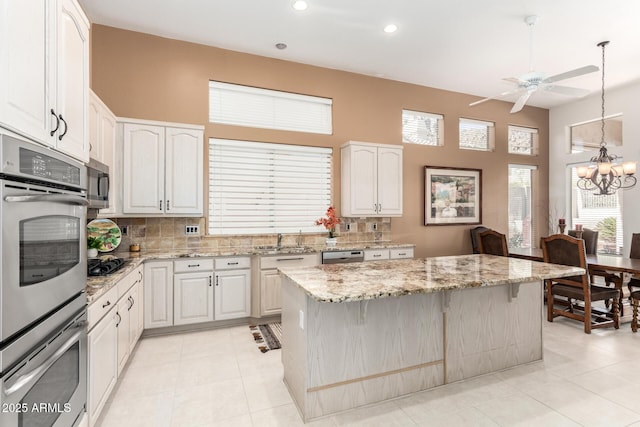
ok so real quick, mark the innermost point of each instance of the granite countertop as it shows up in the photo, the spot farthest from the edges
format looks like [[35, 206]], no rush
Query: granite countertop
[[380, 279], [97, 286]]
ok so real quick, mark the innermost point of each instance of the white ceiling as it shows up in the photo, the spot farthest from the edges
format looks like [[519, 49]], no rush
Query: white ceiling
[[460, 45]]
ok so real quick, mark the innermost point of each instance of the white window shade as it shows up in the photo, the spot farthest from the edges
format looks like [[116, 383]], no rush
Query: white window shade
[[269, 109], [476, 135], [422, 128], [260, 188], [523, 140], [522, 230]]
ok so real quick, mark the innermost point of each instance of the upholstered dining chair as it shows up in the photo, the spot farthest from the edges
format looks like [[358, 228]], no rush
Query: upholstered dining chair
[[475, 245], [567, 250], [590, 238], [635, 301], [493, 243], [634, 283]]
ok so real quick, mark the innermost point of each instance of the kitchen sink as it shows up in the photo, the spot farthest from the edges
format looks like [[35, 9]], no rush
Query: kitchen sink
[[273, 249]]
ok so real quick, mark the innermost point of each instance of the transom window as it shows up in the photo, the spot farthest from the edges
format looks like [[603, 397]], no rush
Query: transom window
[[587, 136], [476, 135], [523, 140], [422, 128], [264, 188]]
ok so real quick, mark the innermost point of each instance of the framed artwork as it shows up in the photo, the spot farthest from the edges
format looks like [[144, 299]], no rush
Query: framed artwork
[[452, 196]]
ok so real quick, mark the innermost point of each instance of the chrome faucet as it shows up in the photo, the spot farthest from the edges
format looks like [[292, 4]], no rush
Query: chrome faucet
[[279, 244]]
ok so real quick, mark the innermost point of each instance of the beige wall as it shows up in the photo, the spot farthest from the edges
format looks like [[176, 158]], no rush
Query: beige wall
[[148, 77]]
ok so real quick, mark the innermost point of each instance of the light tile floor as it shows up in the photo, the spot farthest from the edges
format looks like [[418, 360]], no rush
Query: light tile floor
[[219, 378]]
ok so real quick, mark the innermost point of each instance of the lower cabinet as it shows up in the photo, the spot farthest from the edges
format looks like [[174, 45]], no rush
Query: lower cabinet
[[115, 324], [266, 290], [158, 294], [233, 294], [192, 297]]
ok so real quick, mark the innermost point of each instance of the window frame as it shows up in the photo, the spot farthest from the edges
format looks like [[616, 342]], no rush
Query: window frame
[[406, 131], [490, 134]]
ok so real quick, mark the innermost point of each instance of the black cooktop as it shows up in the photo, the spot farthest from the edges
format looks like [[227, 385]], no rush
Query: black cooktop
[[103, 267]]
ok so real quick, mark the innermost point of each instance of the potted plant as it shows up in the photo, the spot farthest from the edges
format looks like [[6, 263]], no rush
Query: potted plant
[[93, 244], [330, 222]]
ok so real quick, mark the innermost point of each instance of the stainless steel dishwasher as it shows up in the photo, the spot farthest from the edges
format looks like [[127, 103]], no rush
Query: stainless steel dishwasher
[[341, 257]]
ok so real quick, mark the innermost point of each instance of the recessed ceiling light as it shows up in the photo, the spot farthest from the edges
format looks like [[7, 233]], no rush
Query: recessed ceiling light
[[300, 5], [391, 28], [281, 46]]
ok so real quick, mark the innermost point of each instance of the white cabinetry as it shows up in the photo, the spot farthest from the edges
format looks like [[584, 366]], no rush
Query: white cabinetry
[[44, 73], [114, 328], [102, 144], [267, 288], [386, 254], [158, 294], [193, 291], [233, 288], [371, 179], [162, 168]]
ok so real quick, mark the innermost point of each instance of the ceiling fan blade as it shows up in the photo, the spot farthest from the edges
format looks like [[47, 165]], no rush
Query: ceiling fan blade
[[573, 73], [512, 80], [566, 90], [509, 92], [521, 101]]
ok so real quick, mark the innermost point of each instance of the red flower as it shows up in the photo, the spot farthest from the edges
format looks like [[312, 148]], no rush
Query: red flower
[[330, 221]]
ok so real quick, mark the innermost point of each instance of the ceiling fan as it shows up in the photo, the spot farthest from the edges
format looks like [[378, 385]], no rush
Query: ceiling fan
[[533, 81]]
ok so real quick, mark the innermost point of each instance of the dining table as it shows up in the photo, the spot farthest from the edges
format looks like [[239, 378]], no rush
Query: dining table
[[597, 263]]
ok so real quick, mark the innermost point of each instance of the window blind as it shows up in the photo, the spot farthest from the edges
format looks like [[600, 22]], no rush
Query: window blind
[[523, 140], [422, 128], [476, 135], [522, 230], [270, 109], [259, 188]]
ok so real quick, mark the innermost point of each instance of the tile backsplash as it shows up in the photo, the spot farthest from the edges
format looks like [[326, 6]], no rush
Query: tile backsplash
[[155, 234]]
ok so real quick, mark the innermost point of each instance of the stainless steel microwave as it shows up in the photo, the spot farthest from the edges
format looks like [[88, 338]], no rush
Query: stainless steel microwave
[[97, 185]]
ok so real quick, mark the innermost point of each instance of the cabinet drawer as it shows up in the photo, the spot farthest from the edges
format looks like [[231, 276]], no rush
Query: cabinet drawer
[[101, 306], [232, 263], [376, 254], [192, 264], [129, 281], [289, 260], [398, 253]]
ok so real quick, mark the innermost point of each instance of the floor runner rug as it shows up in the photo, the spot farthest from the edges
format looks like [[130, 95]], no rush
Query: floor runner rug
[[268, 337]]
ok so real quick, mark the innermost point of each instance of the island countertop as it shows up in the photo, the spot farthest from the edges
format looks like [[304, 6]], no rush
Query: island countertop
[[370, 280]]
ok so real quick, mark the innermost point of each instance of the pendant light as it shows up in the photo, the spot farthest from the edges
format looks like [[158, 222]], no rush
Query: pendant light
[[603, 176]]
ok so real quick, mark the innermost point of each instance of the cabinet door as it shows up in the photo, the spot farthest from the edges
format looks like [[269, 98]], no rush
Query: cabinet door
[[72, 74], [183, 171], [26, 57], [143, 169], [389, 181], [233, 294], [363, 182], [158, 294], [122, 326], [193, 298], [95, 110], [103, 364], [134, 307], [270, 292], [140, 286]]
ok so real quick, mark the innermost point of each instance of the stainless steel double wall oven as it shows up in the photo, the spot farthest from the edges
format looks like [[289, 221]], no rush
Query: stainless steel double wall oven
[[43, 337]]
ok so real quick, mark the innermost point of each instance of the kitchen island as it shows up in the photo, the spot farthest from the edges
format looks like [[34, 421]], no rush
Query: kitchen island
[[356, 334]]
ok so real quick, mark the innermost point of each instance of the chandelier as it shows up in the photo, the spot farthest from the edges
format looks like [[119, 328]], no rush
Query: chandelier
[[603, 176]]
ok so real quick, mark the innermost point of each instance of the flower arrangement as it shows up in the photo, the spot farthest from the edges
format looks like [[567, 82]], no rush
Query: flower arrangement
[[330, 221]]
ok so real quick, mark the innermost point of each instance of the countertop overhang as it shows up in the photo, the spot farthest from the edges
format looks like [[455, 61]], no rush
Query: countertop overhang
[[338, 283]]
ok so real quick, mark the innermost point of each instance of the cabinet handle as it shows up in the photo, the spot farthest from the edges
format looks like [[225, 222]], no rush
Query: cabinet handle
[[402, 254], [217, 284], [119, 319], [107, 304], [53, 113], [160, 207], [168, 206], [66, 128], [379, 207], [140, 275], [377, 255], [375, 207], [132, 302], [233, 263], [193, 265], [290, 259], [210, 280]]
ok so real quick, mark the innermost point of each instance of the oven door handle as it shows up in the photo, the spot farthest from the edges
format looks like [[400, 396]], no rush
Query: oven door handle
[[67, 199], [34, 374]]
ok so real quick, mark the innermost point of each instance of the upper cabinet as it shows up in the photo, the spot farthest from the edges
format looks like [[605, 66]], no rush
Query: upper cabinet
[[371, 179], [102, 144], [44, 73], [162, 170]]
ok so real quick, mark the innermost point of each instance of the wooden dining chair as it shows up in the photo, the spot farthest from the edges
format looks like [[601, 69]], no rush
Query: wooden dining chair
[[492, 242], [635, 301], [590, 238], [634, 252], [567, 250], [475, 245]]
